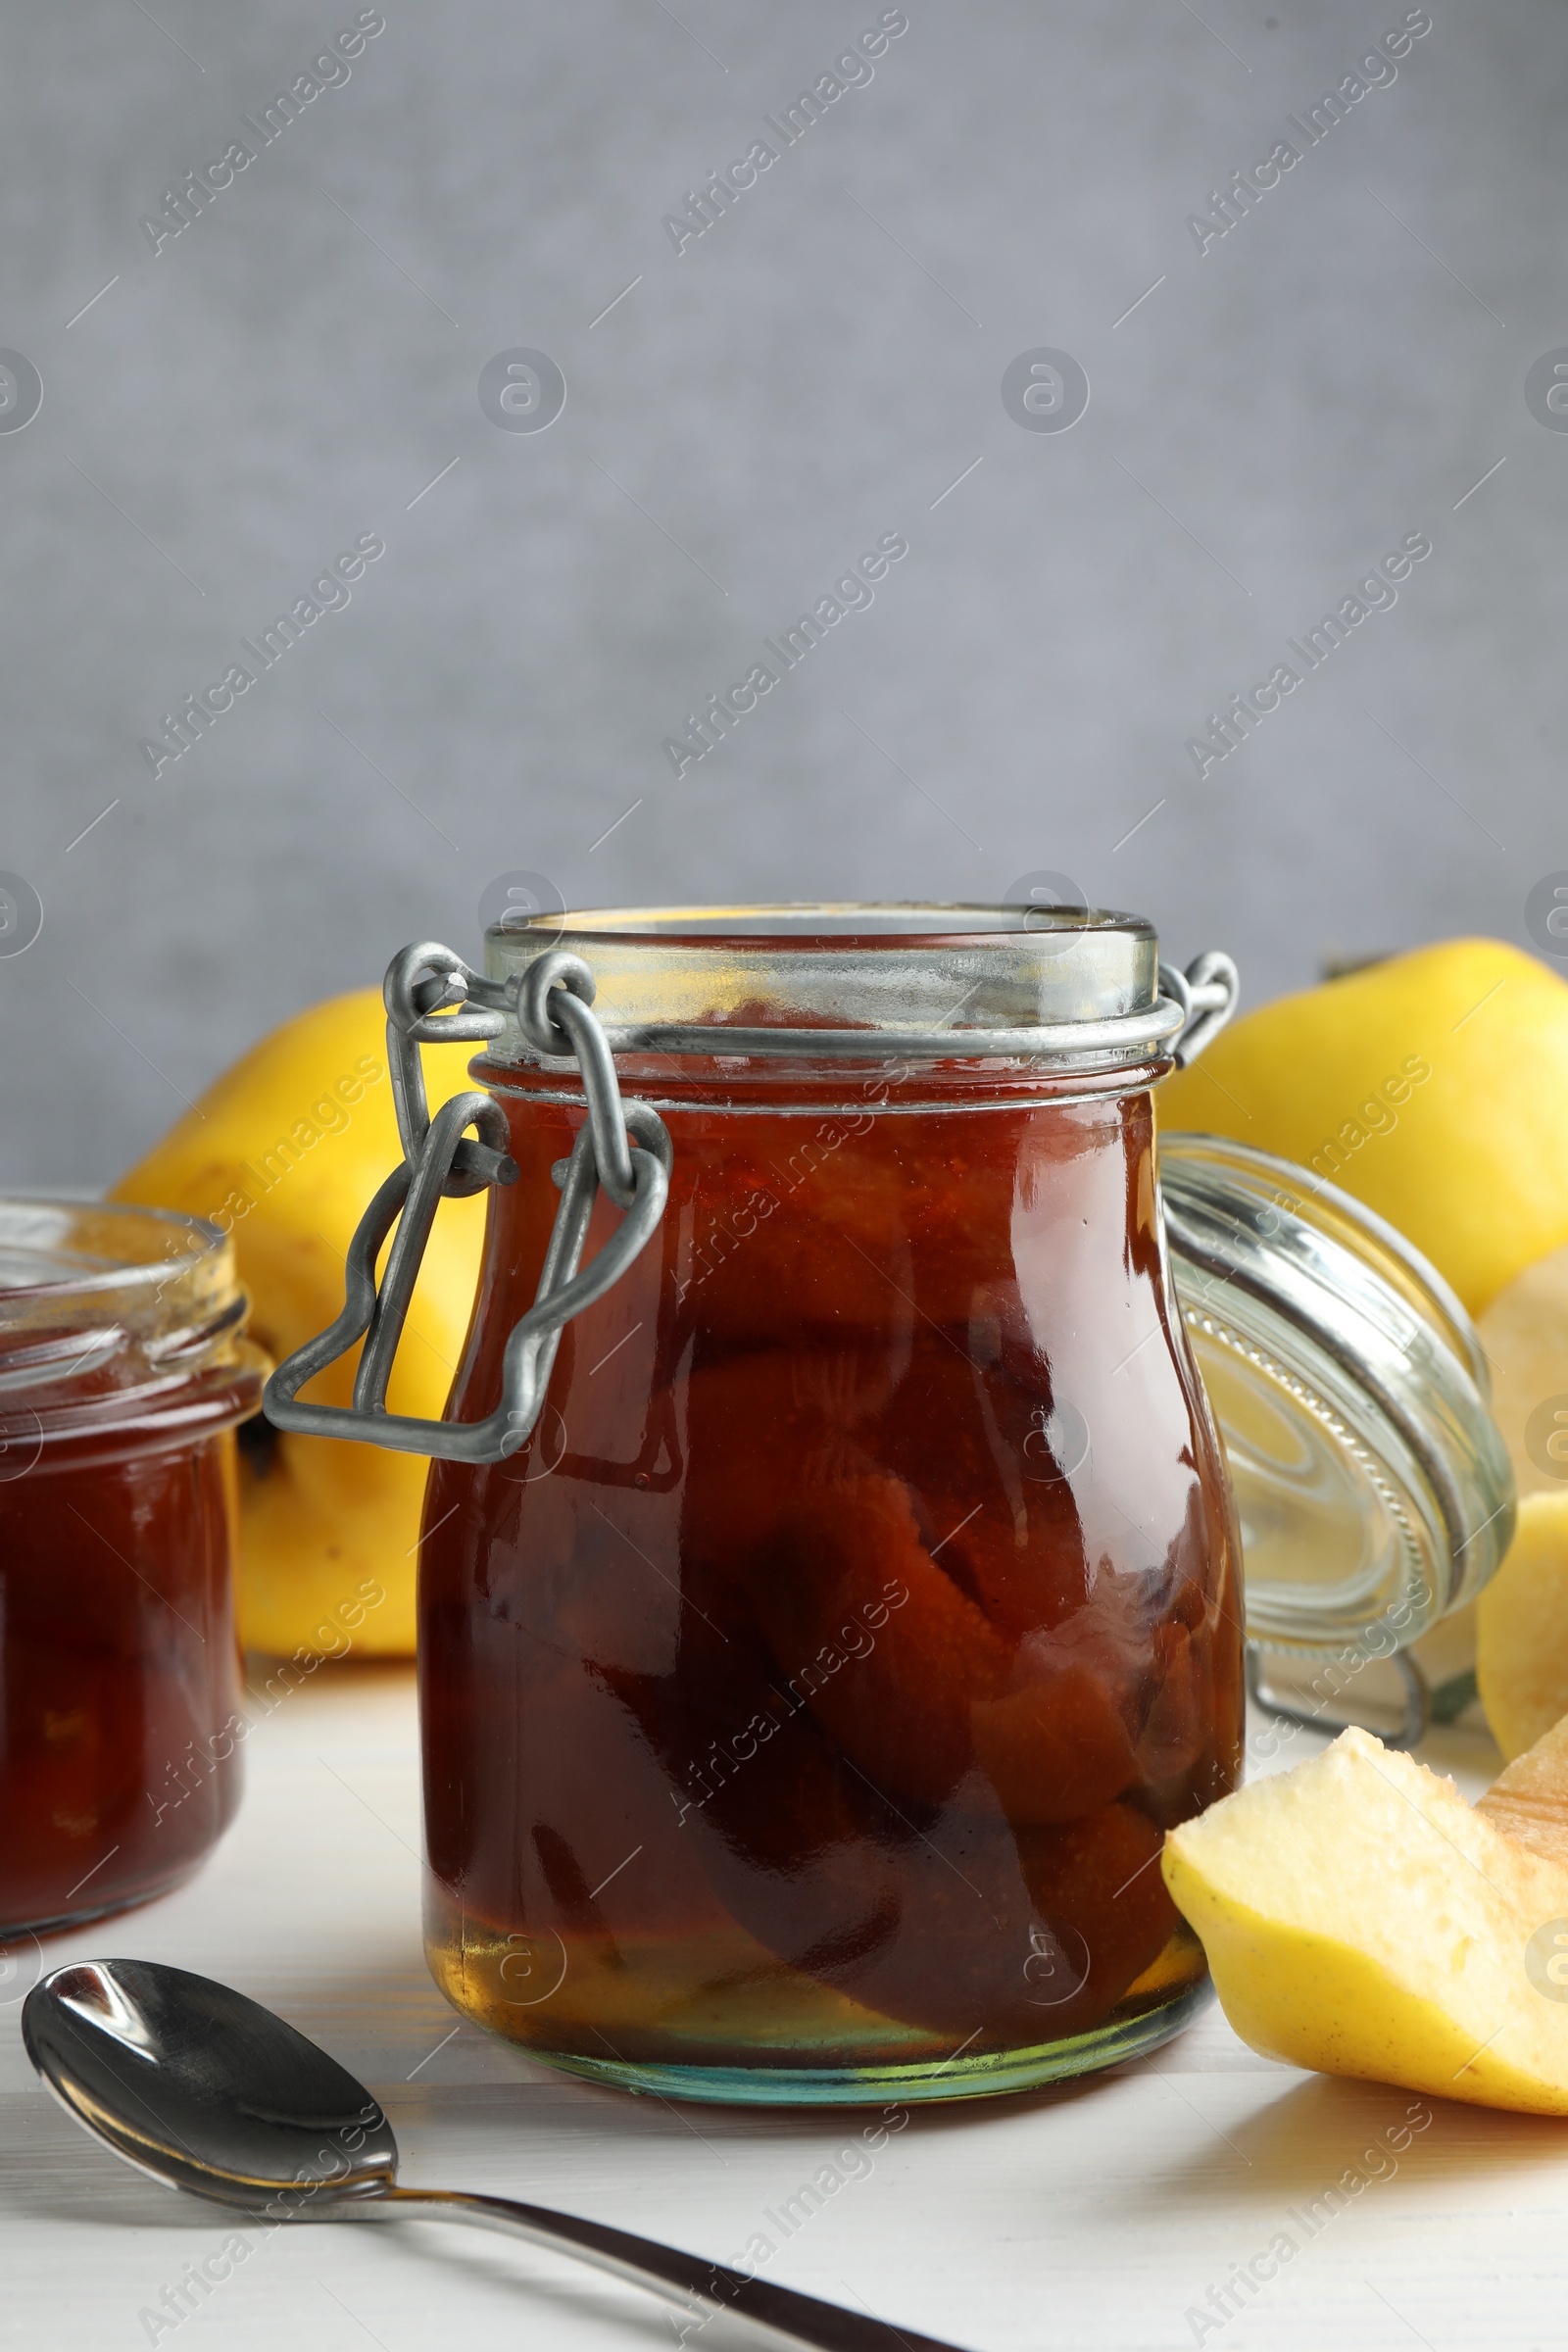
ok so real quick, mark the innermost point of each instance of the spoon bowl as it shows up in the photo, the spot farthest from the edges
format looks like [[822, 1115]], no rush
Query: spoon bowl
[[201, 2087]]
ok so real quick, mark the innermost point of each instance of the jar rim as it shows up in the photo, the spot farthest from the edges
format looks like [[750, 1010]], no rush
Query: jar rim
[[805, 924], [137, 1253], [132, 1340]]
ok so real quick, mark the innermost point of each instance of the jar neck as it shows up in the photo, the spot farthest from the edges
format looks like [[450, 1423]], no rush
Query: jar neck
[[735, 1083]]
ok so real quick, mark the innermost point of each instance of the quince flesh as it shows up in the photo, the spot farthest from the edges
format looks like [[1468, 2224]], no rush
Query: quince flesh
[[285, 1152], [1522, 1628], [1361, 1919], [1528, 1800], [1525, 1334], [1434, 1087]]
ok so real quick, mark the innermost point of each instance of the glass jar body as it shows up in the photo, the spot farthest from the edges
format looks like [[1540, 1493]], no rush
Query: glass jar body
[[804, 1705], [120, 1687]]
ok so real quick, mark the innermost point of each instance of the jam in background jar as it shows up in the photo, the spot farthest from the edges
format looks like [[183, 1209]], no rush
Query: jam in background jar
[[123, 1376], [804, 1703]]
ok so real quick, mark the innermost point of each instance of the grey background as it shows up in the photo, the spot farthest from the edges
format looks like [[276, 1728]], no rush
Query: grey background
[[753, 413]]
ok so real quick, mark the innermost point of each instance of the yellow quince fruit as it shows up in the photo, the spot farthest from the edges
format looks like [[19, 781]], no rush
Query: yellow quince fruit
[[284, 1152], [1434, 1087], [1361, 1918]]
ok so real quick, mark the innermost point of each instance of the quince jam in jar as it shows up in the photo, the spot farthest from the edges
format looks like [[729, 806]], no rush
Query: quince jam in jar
[[123, 1377], [804, 1702]]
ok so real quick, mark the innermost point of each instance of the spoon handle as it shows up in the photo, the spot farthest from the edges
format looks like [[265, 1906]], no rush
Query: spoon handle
[[700, 2289]]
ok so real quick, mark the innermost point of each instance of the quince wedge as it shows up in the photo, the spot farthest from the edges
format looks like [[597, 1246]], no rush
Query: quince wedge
[[1525, 1334], [1434, 1087], [284, 1152], [1522, 1628], [1361, 1918]]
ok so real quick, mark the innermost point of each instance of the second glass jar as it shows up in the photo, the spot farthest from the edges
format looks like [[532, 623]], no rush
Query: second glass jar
[[124, 1375]]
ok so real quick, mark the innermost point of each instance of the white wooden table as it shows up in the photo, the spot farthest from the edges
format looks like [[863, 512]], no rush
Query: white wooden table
[[1095, 2215]]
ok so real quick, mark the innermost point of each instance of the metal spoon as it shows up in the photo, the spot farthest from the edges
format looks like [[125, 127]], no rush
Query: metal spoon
[[207, 2090]]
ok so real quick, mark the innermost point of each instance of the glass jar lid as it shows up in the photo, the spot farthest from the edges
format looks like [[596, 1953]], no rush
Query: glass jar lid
[[1372, 1485]]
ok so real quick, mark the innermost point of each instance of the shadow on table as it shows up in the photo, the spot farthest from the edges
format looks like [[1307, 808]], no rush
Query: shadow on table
[[50, 2170], [1327, 2131], [63, 2177], [546, 2286]]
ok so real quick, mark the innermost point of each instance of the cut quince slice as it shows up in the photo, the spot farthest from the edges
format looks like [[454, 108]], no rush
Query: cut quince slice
[[1529, 1801], [1361, 1919], [1522, 1628], [1524, 1334]]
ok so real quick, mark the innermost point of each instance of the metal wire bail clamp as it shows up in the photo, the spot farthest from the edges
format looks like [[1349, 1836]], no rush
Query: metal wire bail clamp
[[552, 1004]]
